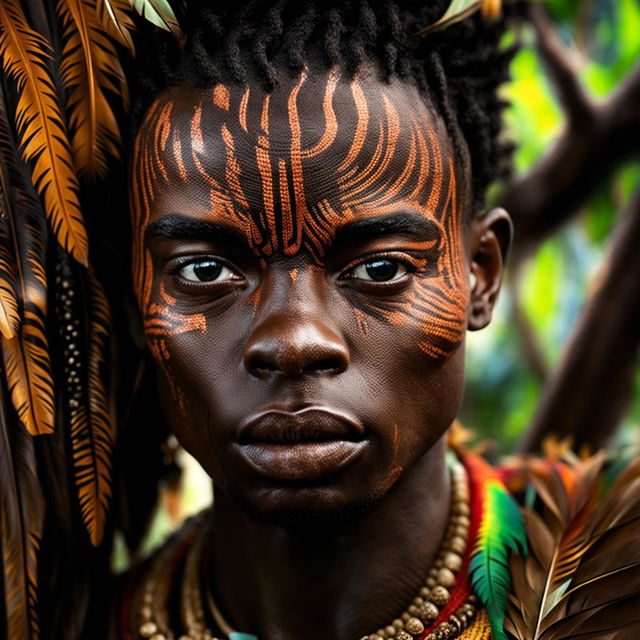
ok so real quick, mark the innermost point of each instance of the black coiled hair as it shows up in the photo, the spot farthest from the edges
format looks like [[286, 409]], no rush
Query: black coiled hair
[[460, 67]]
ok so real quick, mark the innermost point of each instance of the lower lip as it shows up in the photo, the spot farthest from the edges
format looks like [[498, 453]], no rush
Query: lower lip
[[302, 460]]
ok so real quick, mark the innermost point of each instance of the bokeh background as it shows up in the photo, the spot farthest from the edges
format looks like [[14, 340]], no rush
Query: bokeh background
[[509, 362]]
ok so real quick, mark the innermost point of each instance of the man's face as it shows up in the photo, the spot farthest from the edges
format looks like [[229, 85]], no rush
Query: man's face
[[301, 267]]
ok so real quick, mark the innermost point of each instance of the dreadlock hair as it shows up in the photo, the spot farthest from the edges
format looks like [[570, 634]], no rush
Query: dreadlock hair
[[459, 68]]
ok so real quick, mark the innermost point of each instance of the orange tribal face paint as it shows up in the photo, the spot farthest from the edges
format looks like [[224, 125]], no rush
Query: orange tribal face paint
[[297, 248]]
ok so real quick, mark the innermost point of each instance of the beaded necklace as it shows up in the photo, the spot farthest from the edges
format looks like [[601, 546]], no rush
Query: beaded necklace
[[416, 621]]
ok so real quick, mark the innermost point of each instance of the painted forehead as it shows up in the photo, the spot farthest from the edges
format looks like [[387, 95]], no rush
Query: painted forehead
[[288, 169]]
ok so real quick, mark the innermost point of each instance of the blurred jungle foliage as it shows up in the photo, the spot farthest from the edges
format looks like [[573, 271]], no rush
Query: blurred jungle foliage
[[502, 386]]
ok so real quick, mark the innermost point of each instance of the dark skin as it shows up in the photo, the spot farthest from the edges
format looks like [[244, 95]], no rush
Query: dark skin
[[306, 268]]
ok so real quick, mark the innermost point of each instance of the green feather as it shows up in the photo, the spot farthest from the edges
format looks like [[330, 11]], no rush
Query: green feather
[[501, 530]]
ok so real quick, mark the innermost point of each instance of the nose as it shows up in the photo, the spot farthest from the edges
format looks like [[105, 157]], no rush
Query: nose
[[294, 345]]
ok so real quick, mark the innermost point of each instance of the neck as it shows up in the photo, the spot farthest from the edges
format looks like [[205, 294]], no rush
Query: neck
[[341, 582]]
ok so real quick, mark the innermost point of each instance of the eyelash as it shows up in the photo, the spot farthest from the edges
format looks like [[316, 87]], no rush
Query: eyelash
[[180, 263], [410, 263]]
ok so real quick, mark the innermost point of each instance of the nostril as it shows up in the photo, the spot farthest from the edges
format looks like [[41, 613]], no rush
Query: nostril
[[261, 366], [327, 365]]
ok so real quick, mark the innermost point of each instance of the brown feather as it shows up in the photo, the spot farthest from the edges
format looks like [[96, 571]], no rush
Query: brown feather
[[9, 310], [89, 66], [25, 56], [21, 521], [26, 355], [115, 19], [578, 583], [92, 426]]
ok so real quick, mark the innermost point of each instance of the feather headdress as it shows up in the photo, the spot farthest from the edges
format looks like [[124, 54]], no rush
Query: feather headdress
[[62, 82]]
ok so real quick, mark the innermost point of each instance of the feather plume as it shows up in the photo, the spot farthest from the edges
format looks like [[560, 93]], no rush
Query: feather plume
[[9, 311], [21, 521], [26, 354], [501, 531], [160, 13], [25, 56], [92, 426], [89, 66], [582, 577], [459, 10], [116, 21]]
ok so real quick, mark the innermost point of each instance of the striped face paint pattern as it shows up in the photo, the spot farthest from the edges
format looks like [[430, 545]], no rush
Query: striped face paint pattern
[[289, 169]]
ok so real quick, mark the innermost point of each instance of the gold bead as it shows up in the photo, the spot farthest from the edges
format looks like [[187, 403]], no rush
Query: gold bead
[[412, 609], [430, 582], [425, 592], [390, 631], [403, 635], [463, 521], [405, 616], [428, 612], [458, 545], [158, 636], [414, 626], [446, 577], [440, 596], [418, 601], [145, 612], [376, 636], [398, 624], [452, 561], [148, 629], [461, 509], [462, 532]]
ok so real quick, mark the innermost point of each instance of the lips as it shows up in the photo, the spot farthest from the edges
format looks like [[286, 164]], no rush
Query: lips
[[301, 445]]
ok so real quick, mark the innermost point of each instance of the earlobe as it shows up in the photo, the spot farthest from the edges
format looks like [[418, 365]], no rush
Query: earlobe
[[491, 238]]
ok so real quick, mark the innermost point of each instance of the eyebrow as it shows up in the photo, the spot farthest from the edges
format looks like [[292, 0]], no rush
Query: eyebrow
[[175, 226], [409, 223]]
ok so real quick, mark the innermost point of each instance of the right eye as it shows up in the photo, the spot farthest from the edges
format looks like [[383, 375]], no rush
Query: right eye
[[206, 270]]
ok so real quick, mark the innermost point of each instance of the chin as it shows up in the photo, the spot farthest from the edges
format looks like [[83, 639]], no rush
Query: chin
[[302, 508]]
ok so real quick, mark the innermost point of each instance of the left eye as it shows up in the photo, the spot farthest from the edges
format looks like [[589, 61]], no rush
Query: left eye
[[379, 270], [206, 271]]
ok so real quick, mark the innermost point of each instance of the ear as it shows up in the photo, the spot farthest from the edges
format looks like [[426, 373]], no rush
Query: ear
[[490, 240]]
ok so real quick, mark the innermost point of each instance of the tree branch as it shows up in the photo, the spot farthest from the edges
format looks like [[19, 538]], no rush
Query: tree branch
[[598, 137], [589, 392]]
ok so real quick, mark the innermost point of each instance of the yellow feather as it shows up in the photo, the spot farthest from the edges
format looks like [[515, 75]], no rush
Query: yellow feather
[[116, 21], [25, 56], [89, 62], [9, 313]]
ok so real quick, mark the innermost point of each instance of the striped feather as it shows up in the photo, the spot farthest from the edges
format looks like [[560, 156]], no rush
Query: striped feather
[[25, 56], [21, 521], [501, 531], [26, 354], [116, 21], [89, 64], [580, 579], [9, 310], [92, 431], [9, 313]]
